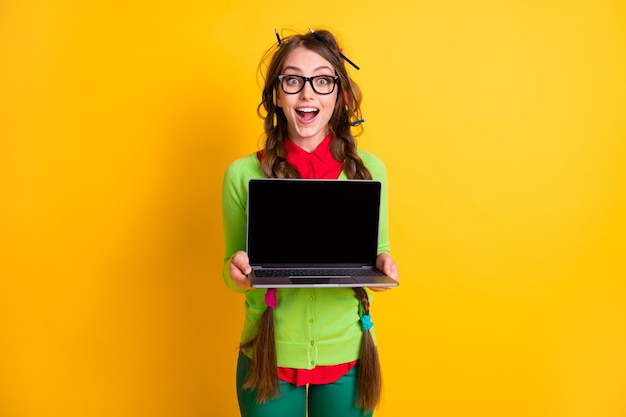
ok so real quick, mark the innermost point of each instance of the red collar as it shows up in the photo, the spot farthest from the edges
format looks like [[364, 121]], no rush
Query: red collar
[[318, 164]]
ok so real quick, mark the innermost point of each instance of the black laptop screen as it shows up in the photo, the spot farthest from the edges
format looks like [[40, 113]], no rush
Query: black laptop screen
[[313, 221]]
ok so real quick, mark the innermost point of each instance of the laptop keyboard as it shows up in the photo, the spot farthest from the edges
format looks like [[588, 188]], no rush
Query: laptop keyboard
[[315, 272]]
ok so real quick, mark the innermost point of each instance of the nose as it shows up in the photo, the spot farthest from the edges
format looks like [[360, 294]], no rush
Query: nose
[[307, 90]]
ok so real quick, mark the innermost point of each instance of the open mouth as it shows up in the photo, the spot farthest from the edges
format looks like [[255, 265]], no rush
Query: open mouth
[[307, 114]]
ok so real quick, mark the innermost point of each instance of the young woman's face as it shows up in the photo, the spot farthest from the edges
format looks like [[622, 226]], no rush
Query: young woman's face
[[307, 111]]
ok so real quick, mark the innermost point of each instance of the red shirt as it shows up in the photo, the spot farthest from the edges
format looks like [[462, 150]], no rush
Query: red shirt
[[318, 164]]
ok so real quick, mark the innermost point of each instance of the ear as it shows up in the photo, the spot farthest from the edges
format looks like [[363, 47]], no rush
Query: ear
[[345, 97], [277, 99]]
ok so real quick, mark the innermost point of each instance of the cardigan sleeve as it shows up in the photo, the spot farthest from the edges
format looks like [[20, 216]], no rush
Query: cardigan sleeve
[[234, 201], [379, 172]]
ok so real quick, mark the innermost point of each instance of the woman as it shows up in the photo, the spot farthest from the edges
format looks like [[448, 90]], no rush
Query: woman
[[305, 347]]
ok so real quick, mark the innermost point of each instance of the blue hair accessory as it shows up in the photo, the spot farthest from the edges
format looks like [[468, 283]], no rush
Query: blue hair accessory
[[366, 322]]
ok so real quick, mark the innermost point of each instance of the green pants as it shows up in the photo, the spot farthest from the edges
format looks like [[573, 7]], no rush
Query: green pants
[[329, 400]]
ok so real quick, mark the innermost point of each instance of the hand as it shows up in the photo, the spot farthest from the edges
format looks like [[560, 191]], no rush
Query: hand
[[385, 263], [240, 269]]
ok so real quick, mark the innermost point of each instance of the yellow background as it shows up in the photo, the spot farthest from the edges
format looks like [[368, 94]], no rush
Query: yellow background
[[502, 126]]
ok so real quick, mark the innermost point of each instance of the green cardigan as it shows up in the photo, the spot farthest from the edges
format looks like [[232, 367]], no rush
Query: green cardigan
[[313, 326]]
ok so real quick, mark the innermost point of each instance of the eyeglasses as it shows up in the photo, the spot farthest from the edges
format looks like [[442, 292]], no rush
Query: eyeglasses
[[321, 84]]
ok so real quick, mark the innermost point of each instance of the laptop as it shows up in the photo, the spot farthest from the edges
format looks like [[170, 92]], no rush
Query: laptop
[[314, 233]]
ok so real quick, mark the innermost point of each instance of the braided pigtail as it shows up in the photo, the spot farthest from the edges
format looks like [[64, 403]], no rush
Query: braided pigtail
[[370, 379], [263, 374]]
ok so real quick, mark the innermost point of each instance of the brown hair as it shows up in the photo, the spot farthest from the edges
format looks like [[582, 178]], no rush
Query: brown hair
[[262, 375]]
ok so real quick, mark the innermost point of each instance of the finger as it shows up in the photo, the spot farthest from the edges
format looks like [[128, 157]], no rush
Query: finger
[[241, 261], [392, 271], [390, 267], [241, 280]]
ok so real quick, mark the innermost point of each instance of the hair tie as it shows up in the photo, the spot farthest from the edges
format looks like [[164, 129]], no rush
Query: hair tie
[[270, 297], [366, 322]]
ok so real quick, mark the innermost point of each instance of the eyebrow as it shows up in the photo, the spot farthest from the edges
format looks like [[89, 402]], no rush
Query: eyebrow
[[315, 70]]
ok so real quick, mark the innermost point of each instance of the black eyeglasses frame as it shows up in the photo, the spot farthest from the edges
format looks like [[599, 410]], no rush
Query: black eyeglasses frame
[[335, 78]]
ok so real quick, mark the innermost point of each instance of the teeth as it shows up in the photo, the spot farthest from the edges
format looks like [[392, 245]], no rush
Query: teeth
[[307, 110]]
